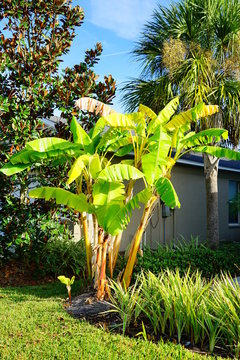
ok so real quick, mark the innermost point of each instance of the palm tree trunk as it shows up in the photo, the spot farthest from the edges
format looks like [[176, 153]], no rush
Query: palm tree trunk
[[211, 183], [136, 241]]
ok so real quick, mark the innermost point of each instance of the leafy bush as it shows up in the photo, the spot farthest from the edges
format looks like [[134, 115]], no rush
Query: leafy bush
[[194, 255], [189, 307], [62, 255], [48, 244]]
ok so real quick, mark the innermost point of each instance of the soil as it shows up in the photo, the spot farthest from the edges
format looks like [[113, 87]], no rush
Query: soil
[[16, 273]]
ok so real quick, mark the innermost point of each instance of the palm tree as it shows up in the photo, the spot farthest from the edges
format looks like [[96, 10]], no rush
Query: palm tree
[[192, 49]]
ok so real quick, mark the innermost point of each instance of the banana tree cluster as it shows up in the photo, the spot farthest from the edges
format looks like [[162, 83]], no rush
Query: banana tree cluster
[[154, 143], [119, 150]]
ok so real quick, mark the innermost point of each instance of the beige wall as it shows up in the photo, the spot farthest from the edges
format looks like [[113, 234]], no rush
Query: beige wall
[[190, 219]]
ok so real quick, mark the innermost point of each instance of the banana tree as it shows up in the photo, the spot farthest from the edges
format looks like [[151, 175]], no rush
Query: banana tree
[[100, 191], [157, 141]]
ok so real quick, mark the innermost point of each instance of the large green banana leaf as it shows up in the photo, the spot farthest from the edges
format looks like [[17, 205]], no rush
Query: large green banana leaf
[[124, 141], [203, 137], [95, 165], [151, 166], [164, 116], [183, 120], [153, 140], [81, 137], [147, 112], [121, 120], [218, 152], [124, 150], [105, 193], [120, 172], [48, 144], [152, 161], [115, 217], [10, 169], [167, 192], [110, 138], [62, 197], [98, 128], [77, 167], [26, 158]]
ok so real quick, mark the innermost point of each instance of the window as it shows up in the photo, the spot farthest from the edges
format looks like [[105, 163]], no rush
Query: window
[[233, 208]]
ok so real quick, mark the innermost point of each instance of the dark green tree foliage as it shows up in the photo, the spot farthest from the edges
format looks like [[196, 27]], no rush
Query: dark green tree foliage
[[34, 36]]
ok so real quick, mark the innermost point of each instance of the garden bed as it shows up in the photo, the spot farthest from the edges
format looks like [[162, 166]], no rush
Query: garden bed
[[34, 325]]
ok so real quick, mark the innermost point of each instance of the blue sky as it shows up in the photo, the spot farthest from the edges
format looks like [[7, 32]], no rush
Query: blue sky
[[117, 25]]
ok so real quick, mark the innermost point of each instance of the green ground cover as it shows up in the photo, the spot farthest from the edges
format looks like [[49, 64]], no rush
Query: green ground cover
[[34, 325]]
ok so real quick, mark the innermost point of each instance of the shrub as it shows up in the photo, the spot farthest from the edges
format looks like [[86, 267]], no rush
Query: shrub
[[62, 255], [48, 245], [196, 256]]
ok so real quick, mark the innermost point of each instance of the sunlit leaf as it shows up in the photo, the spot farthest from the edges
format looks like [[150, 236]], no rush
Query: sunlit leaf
[[218, 152], [164, 115], [107, 192], [81, 137], [120, 172], [167, 193], [77, 168], [62, 197]]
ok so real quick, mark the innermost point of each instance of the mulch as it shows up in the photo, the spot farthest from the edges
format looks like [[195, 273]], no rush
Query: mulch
[[87, 306]]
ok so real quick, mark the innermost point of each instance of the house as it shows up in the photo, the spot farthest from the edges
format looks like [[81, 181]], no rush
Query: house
[[188, 179]]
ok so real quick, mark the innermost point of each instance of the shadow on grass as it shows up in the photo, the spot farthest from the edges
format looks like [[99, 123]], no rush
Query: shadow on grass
[[52, 290]]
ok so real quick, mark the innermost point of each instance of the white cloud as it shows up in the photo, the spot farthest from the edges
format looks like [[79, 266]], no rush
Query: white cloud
[[125, 17]]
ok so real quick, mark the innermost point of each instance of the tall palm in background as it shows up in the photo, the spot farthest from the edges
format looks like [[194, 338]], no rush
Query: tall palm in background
[[192, 49]]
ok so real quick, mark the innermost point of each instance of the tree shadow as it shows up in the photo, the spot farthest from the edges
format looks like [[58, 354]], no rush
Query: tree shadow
[[53, 290]]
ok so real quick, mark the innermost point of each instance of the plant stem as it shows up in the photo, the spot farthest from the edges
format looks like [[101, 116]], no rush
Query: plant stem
[[116, 246], [99, 256], [87, 243], [102, 278], [136, 242]]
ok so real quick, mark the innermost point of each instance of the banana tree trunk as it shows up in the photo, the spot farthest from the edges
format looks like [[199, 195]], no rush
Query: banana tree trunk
[[95, 226], [136, 241], [102, 278], [87, 242], [111, 254], [118, 238], [116, 247], [98, 256], [211, 183]]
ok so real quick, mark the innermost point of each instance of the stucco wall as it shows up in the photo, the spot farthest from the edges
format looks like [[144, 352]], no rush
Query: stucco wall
[[190, 219]]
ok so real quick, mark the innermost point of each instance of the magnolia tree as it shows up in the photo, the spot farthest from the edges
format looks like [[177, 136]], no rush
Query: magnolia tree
[[34, 37], [104, 188]]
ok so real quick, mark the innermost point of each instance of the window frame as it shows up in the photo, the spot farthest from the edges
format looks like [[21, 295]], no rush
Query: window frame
[[233, 224]]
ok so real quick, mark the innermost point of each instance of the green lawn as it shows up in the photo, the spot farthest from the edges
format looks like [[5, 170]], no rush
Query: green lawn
[[34, 325]]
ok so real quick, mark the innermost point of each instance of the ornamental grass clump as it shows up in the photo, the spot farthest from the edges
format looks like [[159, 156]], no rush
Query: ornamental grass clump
[[126, 302], [174, 304], [187, 308], [226, 308]]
